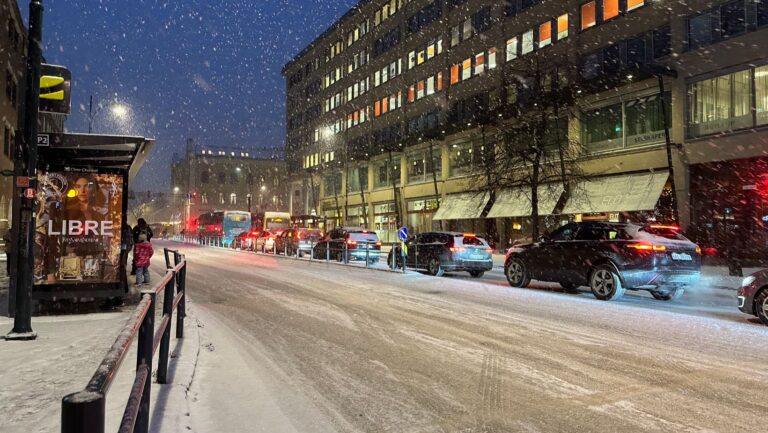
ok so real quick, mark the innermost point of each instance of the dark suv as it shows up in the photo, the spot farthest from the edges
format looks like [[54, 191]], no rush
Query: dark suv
[[609, 258], [345, 244], [297, 241], [753, 295], [440, 252]]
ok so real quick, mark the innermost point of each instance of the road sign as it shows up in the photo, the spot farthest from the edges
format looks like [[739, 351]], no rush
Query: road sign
[[29, 193], [22, 182], [55, 89], [43, 140], [402, 234]]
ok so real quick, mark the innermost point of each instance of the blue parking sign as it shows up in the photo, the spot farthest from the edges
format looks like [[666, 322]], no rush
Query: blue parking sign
[[402, 234]]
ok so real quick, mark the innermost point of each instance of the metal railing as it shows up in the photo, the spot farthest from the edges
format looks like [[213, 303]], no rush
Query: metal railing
[[338, 252], [85, 411]]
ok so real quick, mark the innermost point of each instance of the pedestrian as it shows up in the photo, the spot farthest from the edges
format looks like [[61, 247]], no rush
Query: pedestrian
[[142, 254], [141, 228], [126, 245]]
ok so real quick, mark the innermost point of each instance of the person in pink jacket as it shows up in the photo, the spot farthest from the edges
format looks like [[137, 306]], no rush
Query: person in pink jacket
[[142, 254]]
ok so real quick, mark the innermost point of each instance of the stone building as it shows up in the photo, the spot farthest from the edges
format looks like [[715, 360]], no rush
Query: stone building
[[389, 109]]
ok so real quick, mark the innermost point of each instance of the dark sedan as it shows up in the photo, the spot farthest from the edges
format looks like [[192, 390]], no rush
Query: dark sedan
[[349, 244], [753, 295], [609, 258], [440, 252]]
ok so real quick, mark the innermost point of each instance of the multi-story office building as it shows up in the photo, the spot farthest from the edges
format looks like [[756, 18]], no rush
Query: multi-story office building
[[390, 110], [212, 178], [12, 50]]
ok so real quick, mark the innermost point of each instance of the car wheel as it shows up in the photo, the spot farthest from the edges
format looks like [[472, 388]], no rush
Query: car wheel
[[668, 295], [761, 306], [516, 273], [605, 283], [434, 268], [569, 287], [476, 274]]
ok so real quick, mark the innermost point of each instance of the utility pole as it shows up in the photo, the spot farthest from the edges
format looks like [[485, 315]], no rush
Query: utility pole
[[25, 165]]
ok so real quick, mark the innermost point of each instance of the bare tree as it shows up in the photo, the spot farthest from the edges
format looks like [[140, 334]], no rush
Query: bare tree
[[525, 140]]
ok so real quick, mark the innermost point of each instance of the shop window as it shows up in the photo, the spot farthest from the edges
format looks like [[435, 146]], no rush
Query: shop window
[[761, 95], [562, 27], [720, 104], [588, 15], [644, 123], [545, 34], [512, 46], [610, 9]]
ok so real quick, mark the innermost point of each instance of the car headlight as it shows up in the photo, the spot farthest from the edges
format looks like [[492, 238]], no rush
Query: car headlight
[[747, 281]]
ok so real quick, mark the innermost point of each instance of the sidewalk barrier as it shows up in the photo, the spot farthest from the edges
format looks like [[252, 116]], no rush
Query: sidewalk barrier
[[85, 411]]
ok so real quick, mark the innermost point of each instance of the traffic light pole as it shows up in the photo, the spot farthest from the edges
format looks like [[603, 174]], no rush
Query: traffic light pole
[[25, 165]]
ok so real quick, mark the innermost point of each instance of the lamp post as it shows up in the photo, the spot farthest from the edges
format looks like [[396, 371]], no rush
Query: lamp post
[[660, 71], [26, 166], [118, 109]]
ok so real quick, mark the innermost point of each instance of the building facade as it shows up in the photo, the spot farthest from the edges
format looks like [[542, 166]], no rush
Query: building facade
[[210, 179], [12, 59], [390, 111]]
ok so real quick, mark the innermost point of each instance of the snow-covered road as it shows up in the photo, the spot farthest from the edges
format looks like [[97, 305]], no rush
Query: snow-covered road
[[305, 347]]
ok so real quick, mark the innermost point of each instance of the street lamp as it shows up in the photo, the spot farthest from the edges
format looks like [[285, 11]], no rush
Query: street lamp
[[118, 110]]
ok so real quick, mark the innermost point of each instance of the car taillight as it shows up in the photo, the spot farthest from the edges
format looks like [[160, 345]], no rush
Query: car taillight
[[457, 250], [665, 227], [648, 247], [378, 244], [351, 242], [698, 250]]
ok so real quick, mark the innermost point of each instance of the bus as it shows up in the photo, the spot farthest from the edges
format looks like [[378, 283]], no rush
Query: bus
[[210, 225], [275, 221], [234, 223]]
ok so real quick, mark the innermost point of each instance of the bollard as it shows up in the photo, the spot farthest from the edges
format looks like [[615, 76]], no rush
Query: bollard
[[144, 357], [83, 412], [327, 251], [165, 342], [367, 253], [415, 255], [311, 249]]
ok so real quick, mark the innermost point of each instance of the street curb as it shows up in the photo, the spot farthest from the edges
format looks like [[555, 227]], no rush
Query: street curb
[[296, 259]]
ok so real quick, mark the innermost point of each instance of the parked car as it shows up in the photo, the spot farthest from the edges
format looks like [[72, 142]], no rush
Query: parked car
[[753, 295], [297, 241], [245, 240], [440, 252], [349, 244], [266, 241], [609, 258]]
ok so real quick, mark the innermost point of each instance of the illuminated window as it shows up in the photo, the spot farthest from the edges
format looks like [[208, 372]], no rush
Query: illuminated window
[[527, 45], [634, 4], [411, 93], [545, 34], [512, 49], [466, 69], [430, 85], [439, 81], [562, 27], [588, 16], [377, 109], [610, 9], [454, 74], [491, 58], [384, 106], [479, 63], [420, 89]]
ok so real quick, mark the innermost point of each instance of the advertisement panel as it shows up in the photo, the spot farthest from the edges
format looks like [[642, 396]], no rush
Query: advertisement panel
[[79, 216]]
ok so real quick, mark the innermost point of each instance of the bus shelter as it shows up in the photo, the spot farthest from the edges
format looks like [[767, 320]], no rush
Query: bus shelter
[[82, 203]]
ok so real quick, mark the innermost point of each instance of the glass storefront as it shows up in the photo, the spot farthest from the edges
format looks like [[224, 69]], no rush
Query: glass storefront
[[422, 168], [420, 213], [385, 221], [385, 172]]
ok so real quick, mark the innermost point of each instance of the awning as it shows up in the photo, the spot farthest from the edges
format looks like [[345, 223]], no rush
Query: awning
[[468, 205], [516, 202], [99, 151], [625, 193]]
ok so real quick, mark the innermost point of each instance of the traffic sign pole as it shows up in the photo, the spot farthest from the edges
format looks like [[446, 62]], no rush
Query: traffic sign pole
[[25, 165]]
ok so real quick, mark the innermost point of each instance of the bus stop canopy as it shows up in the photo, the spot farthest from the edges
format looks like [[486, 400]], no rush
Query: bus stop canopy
[[118, 152]]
